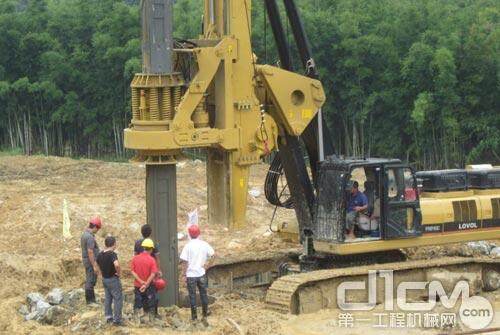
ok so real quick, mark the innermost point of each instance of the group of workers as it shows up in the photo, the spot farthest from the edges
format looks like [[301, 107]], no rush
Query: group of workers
[[145, 268]]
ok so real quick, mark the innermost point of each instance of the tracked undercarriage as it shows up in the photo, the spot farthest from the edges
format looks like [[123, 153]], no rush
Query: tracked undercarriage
[[307, 292], [311, 291], [249, 270]]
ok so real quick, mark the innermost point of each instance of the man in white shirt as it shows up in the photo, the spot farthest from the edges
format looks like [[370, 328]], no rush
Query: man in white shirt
[[194, 257]]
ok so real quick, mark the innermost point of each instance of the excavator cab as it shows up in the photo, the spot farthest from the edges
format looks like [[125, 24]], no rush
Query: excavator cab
[[390, 187]]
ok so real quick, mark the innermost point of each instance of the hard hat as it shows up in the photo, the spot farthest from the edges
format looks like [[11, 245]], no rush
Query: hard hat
[[194, 231], [148, 243], [160, 284], [96, 221]]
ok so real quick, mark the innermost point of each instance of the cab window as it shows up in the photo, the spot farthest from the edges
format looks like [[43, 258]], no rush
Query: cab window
[[358, 174], [392, 185], [410, 187]]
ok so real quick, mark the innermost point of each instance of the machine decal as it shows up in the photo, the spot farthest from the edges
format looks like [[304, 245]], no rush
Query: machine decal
[[454, 226], [461, 226], [433, 228]]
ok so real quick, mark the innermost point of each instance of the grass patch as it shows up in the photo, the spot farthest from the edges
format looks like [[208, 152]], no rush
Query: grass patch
[[6, 152], [11, 152]]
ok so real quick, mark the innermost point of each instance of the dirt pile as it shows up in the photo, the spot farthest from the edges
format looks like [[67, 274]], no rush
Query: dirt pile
[[34, 256]]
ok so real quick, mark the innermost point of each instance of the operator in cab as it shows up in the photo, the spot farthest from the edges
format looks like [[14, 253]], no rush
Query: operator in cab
[[358, 202]]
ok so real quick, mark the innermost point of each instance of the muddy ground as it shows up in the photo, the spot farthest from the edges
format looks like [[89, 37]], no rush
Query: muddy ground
[[35, 257]]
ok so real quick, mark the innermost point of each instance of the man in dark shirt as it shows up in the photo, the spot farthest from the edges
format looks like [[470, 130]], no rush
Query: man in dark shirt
[[110, 270], [90, 250], [146, 232], [358, 202]]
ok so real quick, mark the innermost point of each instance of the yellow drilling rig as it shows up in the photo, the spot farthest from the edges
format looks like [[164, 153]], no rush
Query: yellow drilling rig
[[212, 93]]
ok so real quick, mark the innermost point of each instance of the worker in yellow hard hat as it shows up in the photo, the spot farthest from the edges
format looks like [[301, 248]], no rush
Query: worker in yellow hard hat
[[144, 270], [146, 232]]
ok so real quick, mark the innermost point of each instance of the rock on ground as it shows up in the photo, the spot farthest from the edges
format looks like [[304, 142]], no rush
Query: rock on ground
[[38, 311], [73, 297], [23, 310], [491, 279], [495, 252], [56, 315], [478, 248], [33, 298], [55, 297]]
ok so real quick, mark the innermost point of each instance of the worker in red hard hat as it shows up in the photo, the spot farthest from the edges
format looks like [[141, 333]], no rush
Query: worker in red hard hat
[[90, 250], [194, 257]]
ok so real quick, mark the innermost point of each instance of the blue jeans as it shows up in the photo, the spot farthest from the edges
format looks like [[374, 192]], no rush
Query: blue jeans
[[146, 299], [202, 284], [113, 295]]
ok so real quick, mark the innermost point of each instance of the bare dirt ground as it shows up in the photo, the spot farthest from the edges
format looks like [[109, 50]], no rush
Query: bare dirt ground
[[35, 257]]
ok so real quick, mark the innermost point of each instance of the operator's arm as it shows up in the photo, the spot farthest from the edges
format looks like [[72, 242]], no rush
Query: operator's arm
[[361, 208]]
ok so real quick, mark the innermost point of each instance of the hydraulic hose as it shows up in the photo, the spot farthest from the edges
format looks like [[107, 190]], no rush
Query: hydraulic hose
[[271, 185]]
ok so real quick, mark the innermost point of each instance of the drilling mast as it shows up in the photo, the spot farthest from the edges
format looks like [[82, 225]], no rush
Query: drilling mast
[[212, 94]]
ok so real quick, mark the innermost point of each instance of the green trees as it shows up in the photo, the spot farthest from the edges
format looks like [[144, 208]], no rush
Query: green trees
[[65, 67], [412, 79]]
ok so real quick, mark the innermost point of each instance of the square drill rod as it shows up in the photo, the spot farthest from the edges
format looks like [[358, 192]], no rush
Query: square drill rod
[[161, 206]]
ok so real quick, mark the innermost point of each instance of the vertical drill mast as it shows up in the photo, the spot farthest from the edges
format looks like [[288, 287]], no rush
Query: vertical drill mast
[[161, 197], [224, 102]]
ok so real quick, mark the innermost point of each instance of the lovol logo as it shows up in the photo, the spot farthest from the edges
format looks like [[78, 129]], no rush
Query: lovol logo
[[468, 225]]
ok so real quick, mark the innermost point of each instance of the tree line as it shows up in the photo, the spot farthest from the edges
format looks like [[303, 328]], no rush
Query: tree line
[[414, 79]]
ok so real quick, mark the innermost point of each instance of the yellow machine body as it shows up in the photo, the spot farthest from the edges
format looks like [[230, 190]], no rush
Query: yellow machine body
[[219, 109], [447, 217]]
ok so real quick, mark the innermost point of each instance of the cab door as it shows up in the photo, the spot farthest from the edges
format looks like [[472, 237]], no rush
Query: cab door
[[401, 217]]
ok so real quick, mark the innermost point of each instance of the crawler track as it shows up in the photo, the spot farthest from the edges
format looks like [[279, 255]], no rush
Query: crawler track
[[311, 291], [248, 270], [308, 292]]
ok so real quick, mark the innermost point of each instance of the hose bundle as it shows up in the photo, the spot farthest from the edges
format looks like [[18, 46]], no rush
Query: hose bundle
[[271, 185]]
